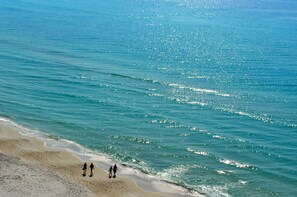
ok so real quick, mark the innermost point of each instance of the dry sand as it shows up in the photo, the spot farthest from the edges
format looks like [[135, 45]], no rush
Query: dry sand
[[18, 178], [28, 168]]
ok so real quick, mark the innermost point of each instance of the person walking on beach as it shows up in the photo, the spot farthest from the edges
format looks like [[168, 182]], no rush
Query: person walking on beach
[[84, 169], [91, 167], [110, 171], [115, 170]]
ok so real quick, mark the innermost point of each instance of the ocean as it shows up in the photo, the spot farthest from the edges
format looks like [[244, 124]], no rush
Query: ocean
[[200, 93]]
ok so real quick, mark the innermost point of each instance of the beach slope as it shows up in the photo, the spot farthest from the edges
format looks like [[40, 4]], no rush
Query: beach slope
[[29, 168]]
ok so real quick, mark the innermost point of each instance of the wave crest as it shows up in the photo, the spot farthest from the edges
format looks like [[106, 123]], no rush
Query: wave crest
[[234, 163]]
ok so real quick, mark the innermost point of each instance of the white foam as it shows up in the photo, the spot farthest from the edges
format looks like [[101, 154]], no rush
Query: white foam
[[6, 120], [176, 171], [234, 163], [242, 182], [242, 113], [156, 95], [165, 121], [215, 191], [224, 172], [240, 140], [225, 95], [221, 190], [197, 103], [229, 110], [221, 172], [197, 152], [217, 136], [209, 91], [184, 134], [197, 129], [201, 153]]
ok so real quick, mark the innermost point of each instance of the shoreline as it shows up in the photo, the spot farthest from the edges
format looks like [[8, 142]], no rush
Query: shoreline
[[63, 153]]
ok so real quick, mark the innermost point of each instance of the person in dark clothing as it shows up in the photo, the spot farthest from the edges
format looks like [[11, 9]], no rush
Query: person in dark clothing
[[115, 170], [91, 167], [110, 171], [84, 169]]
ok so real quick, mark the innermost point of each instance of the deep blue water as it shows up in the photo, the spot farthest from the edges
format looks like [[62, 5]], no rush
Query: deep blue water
[[199, 93]]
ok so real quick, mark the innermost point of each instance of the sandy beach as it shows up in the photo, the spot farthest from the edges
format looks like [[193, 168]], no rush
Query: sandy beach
[[28, 168]]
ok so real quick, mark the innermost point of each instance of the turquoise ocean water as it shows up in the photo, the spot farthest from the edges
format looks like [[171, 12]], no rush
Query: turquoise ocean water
[[200, 93]]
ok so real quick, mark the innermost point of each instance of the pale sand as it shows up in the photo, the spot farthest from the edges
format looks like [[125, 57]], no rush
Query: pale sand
[[28, 168], [18, 178]]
